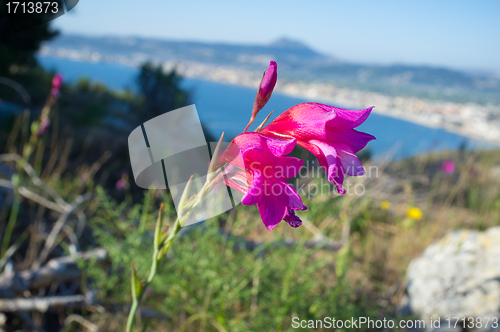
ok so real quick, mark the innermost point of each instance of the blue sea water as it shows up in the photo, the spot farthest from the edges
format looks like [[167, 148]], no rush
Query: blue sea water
[[223, 107]]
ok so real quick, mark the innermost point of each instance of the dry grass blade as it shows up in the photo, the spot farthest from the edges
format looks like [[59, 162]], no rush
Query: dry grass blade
[[49, 243], [34, 178]]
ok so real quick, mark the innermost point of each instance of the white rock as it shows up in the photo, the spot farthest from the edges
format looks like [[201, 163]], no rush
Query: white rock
[[459, 276]]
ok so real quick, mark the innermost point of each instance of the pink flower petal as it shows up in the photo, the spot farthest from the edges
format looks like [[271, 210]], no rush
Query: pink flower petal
[[271, 211], [346, 119], [350, 162], [238, 181], [285, 194], [254, 194], [257, 147], [288, 167], [356, 140], [292, 219], [331, 162], [310, 120]]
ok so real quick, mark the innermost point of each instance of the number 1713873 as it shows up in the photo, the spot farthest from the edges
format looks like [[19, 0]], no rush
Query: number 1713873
[[37, 7]]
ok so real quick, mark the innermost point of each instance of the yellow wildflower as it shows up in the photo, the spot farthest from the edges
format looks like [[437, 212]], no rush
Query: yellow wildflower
[[414, 213], [385, 205]]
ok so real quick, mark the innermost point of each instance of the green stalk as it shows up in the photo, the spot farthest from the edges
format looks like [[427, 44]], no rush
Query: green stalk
[[154, 266], [16, 202], [163, 242]]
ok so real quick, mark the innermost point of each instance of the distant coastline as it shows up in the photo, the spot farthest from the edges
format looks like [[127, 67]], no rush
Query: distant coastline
[[476, 121]]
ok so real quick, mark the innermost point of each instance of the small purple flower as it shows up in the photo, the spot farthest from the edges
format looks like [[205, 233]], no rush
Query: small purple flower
[[448, 166], [148, 291], [120, 184], [123, 182], [265, 91]]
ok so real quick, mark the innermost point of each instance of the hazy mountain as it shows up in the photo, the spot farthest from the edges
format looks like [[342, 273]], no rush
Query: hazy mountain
[[297, 61], [284, 50]]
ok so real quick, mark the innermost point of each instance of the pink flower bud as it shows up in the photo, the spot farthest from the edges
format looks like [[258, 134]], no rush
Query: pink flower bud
[[57, 81], [265, 90]]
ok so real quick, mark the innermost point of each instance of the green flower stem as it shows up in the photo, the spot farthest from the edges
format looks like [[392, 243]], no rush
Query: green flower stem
[[164, 247]]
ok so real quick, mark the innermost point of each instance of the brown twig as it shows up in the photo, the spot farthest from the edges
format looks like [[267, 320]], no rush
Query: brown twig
[[56, 270], [43, 304]]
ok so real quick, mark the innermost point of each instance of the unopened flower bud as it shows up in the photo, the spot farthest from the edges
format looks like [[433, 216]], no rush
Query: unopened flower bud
[[265, 90]]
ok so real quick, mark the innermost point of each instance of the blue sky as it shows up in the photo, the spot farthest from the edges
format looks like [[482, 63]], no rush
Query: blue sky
[[458, 34]]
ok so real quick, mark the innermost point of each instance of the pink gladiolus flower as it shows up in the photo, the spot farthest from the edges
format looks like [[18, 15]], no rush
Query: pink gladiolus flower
[[262, 180], [265, 91], [448, 166], [327, 132]]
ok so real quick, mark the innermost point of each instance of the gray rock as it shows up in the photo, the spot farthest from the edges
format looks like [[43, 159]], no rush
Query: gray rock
[[459, 276]]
